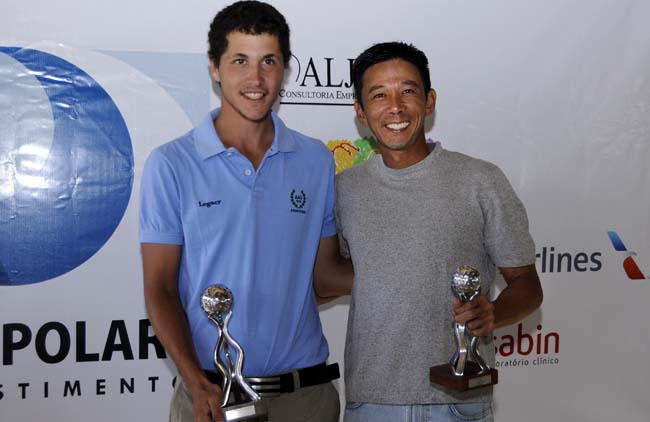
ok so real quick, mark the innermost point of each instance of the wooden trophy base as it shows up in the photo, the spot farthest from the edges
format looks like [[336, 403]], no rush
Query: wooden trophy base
[[244, 411], [444, 375]]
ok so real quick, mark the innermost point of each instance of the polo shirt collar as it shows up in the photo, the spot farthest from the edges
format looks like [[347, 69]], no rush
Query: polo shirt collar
[[208, 143]]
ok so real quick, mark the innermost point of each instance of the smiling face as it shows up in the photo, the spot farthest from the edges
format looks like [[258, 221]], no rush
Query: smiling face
[[395, 107], [250, 73]]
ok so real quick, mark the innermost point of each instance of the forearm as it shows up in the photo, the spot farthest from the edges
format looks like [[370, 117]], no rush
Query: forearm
[[160, 273], [161, 265], [521, 297], [333, 274], [170, 325], [335, 280]]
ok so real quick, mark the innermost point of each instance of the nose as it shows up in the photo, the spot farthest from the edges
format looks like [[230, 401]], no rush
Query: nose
[[395, 105], [255, 75]]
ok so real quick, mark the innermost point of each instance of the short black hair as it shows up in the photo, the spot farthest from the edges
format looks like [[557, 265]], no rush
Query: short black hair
[[383, 52], [248, 17]]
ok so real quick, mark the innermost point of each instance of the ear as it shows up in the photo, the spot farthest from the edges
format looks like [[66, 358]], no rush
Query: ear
[[431, 102], [214, 71], [361, 115]]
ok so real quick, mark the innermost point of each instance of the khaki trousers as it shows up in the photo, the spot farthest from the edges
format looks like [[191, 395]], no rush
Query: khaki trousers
[[319, 403]]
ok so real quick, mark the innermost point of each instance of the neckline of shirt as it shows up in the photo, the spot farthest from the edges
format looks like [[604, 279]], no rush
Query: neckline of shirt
[[412, 170]]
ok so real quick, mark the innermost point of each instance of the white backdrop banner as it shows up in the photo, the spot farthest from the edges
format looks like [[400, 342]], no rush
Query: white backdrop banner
[[556, 93]]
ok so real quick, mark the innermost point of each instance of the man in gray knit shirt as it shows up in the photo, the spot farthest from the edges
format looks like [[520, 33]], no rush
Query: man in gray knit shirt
[[408, 218]]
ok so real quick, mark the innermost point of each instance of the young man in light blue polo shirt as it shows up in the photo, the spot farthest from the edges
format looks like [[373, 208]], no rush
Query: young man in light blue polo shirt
[[247, 203]]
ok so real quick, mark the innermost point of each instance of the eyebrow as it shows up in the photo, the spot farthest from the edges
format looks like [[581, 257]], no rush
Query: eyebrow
[[408, 82], [246, 56]]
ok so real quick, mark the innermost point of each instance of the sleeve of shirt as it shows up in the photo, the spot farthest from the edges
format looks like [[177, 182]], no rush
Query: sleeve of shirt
[[329, 221], [507, 237], [160, 220]]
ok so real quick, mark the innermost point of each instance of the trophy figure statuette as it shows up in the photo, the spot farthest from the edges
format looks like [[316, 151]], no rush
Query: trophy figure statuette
[[217, 302], [467, 368]]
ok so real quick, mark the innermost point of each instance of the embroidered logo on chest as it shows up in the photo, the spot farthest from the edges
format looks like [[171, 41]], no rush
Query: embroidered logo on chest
[[298, 200], [209, 204]]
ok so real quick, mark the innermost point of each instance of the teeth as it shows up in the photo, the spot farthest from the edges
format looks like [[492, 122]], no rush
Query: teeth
[[397, 126], [253, 95]]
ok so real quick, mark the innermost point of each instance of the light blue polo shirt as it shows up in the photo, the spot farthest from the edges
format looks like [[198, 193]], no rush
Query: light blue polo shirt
[[256, 232]]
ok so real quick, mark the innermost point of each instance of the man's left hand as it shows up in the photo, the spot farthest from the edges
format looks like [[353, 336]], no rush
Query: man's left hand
[[477, 314]]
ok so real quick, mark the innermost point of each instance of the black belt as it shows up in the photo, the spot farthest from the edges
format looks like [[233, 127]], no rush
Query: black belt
[[287, 382]]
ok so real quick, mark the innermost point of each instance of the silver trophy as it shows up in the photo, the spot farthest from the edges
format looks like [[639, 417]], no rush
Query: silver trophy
[[217, 302], [462, 373]]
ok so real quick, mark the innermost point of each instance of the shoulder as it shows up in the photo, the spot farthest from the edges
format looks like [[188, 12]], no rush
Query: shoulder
[[484, 178], [306, 146], [171, 159], [468, 162], [309, 145], [172, 148], [175, 150], [313, 154], [466, 166]]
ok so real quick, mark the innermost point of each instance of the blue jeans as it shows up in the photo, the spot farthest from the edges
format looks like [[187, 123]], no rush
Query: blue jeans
[[459, 412]]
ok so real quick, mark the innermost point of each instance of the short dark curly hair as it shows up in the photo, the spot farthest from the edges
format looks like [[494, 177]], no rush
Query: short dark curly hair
[[248, 17], [383, 52]]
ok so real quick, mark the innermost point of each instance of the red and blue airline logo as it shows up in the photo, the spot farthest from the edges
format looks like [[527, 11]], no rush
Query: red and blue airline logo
[[629, 265]]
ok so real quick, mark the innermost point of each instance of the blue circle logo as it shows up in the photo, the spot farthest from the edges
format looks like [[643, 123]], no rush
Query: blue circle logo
[[66, 166]]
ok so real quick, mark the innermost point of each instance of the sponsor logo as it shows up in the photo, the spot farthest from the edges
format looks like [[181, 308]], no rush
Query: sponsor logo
[[77, 388], [629, 264], [65, 158], [318, 81], [550, 260], [55, 342], [298, 200], [525, 350]]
